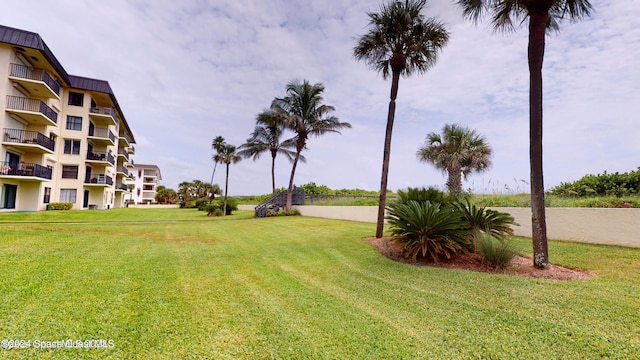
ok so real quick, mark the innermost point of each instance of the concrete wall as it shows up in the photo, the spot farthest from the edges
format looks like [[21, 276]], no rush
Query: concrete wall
[[598, 226]]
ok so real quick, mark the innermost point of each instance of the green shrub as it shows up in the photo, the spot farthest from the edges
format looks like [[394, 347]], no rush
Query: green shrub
[[497, 224], [429, 229], [232, 205], [293, 212], [271, 212], [494, 252], [60, 206], [215, 211], [422, 195], [281, 213]]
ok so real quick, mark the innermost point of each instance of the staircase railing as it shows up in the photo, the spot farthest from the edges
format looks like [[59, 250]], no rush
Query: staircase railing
[[279, 201]]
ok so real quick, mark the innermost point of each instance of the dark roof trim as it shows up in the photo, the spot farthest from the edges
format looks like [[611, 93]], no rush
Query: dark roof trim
[[23, 38], [31, 40]]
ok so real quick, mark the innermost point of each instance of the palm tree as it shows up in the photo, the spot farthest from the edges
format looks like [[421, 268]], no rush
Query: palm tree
[[216, 144], [226, 154], [458, 152], [306, 116], [543, 15], [266, 137], [400, 42]]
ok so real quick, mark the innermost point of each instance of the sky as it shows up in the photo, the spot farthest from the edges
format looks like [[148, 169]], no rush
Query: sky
[[187, 71]]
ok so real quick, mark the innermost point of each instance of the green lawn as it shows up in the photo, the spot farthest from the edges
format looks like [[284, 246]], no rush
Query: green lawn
[[187, 286]]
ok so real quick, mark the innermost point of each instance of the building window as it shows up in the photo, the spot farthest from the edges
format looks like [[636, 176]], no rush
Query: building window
[[74, 123], [69, 171], [47, 195], [72, 147], [76, 99], [68, 195]]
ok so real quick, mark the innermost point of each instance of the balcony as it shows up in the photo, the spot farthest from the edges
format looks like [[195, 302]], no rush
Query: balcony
[[25, 171], [122, 170], [103, 115], [100, 157], [129, 164], [37, 82], [122, 187], [102, 136], [28, 141], [124, 154], [99, 180], [131, 150], [125, 141], [33, 111]]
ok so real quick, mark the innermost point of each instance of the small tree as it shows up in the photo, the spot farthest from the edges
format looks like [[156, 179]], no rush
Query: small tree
[[226, 154], [458, 152]]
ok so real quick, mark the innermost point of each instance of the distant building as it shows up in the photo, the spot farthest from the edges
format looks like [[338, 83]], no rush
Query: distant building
[[64, 138], [145, 184]]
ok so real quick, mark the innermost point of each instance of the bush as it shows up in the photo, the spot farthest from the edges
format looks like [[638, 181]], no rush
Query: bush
[[422, 195], [495, 223], [494, 252], [60, 206], [429, 229], [293, 212], [215, 211], [271, 212]]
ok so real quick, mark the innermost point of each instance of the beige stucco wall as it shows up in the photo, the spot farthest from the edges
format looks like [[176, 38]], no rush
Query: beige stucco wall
[[599, 226]]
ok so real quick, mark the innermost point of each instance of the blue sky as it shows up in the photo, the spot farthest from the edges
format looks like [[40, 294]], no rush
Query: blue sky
[[187, 71]]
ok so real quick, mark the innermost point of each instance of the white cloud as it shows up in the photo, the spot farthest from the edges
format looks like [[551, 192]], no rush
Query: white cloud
[[185, 72]]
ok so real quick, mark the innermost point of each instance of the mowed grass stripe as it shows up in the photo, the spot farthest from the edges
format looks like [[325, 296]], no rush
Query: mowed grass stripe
[[295, 287]]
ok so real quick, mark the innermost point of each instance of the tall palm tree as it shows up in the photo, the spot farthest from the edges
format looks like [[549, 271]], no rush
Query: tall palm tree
[[400, 41], [543, 15], [266, 137], [226, 154], [459, 151], [216, 144], [306, 116]]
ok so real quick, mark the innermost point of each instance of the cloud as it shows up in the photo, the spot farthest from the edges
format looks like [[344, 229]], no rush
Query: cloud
[[185, 72]]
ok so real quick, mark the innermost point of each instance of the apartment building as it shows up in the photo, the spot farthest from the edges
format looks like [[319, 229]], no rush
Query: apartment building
[[64, 137], [145, 184]]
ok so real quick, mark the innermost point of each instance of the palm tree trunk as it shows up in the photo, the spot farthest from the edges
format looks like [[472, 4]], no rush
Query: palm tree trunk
[[293, 172], [214, 171], [537, 33], [387, 153], [454, 182], [226, 188], [273, 175]]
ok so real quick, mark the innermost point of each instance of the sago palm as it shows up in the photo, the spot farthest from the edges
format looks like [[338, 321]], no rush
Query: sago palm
[[459, 151], [306, 116], [543, 15], [266, 138], [400, 41], [429, 229]]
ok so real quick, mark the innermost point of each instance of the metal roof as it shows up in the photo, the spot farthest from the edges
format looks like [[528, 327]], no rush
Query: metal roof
[[27, 39]]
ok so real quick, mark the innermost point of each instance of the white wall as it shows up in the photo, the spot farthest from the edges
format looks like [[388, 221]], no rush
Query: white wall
[[598, 226]]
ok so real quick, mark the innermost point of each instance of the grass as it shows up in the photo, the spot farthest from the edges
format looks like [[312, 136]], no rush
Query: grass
[[292, 288]]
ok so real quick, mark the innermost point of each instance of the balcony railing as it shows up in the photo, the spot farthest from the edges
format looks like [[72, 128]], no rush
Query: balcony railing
[[124, 187], [25, 169], [28, 137], [24, 72], [101, 156], [123, 170], [131, 149], [99, 179], [33, 105], [102, 133], [123, 153], [103, 110]]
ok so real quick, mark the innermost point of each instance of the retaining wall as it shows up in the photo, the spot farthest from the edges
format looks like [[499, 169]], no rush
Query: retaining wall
[[599, 226]]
